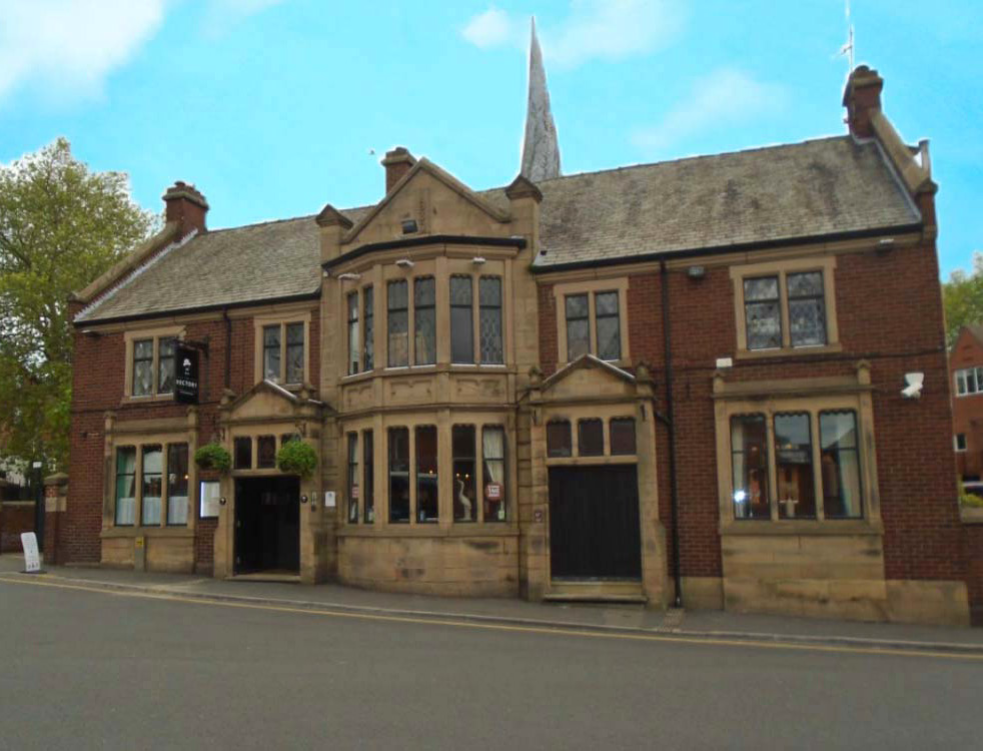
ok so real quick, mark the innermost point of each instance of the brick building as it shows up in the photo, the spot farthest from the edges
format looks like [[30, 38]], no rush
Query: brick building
[[668, 382], [966, 367]]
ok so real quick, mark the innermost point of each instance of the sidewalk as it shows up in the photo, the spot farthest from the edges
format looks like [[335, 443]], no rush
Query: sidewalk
[[704, 624]]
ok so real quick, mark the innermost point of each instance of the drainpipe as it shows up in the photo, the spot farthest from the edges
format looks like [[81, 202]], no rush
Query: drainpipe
[[228, 348], [670, 423]]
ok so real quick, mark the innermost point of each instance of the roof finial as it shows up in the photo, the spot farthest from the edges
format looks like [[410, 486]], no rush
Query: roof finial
[[541, 150]]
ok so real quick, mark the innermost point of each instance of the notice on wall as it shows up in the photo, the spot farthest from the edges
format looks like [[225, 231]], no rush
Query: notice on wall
[[329, 499], [32, 558], [210, 500]]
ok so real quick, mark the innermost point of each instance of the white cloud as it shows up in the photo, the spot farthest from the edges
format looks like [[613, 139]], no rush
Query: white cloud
[[69, 46], [492, 28], [593, 29], [725, 97], [66, 48]]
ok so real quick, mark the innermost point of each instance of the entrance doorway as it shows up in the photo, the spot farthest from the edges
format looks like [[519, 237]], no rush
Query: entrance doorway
[[267, 519], [594, 527]]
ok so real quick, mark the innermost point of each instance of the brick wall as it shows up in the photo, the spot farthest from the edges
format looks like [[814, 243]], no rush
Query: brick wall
[[98, 382], [889, 311], [967, 411]]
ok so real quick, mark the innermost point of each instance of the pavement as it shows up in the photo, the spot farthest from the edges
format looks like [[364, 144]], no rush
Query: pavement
[[602, 618]]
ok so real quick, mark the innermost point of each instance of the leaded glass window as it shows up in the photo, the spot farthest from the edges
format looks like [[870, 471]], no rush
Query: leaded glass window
[[463, 446], [368, 476], [271, 353], [578, 326], [762, 313], [793, 461], [840, 465], [177, 484], [806, 309], [353, 333], [490, 319], [353, 478], [607, 313], [399, 475], [368, 344], [425, 321], [427, 482], [493, 469], [153, 473], [165, 365], [462, 320], [126, 486], [143, 367], [295, 353], [749, 461], [398, 324]]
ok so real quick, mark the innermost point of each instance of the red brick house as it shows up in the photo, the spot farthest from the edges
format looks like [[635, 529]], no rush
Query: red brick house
[[966, 367], [675, 383]]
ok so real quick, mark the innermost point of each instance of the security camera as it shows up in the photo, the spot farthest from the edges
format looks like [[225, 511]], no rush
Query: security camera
[[915, 382]]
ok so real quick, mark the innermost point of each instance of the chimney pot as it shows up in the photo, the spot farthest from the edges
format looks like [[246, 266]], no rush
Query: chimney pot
[[185, 205], [397, 163]]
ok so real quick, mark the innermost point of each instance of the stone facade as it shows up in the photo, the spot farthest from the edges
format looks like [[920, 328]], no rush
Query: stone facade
[[450, 375]]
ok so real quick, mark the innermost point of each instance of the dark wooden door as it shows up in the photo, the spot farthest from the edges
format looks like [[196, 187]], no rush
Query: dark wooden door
[[594, 528], [267, 535]]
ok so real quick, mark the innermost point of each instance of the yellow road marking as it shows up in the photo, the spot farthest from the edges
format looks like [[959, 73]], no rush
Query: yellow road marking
[[553, 631]]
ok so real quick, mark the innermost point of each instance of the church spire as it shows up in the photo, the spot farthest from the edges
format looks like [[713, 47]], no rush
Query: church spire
[[541, 150]]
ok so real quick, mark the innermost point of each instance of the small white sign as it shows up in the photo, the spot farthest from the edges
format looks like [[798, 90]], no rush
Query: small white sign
[[329, 499], [725, 362], [32, 559]]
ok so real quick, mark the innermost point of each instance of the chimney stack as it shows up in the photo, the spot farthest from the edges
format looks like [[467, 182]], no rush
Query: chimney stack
[[398, 162], [186, 206], [862, 99]]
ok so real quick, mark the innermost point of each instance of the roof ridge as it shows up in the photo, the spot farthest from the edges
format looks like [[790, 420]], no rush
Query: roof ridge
[[749, 150], [281, 221]]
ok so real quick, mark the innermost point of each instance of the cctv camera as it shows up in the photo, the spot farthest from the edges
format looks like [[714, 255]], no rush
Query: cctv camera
[[914, 383]]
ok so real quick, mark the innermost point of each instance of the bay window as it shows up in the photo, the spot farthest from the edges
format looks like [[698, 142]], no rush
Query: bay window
[[398, 324], [399, 475], [353, 339], [493, 472], [425, 320], [490, 319], [426, 474], [353, 478], [368, 344], [462, 320], [463, 445], [368, 477]]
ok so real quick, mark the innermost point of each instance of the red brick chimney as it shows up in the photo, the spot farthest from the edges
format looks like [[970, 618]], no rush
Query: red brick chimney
[[398, 162], [862, 98], [186, 206]]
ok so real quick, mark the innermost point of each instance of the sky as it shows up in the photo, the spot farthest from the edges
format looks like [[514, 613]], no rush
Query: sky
[[273, 108]]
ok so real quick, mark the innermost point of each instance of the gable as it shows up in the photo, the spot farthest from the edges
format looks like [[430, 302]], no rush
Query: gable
[[591, 378], [266, 401], [440, 205]]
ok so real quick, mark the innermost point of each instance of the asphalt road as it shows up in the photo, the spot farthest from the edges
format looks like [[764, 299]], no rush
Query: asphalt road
[[81, 670]]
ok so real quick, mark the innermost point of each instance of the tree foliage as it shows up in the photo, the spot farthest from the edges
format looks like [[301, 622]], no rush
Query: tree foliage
[[962, 297], [61, 226]]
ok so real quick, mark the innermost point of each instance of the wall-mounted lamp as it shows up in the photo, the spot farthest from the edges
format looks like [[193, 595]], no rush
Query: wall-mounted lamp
[[885, 245], [409, 226], [696, 272], [303, 499], [404, 263], [349, 277], [221, 501], [478, 261]]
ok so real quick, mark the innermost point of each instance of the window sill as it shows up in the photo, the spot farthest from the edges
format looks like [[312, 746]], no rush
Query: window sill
[[566, 461], [764, 354], [173, 531], [459, 529], [150, 399], [768, 527]]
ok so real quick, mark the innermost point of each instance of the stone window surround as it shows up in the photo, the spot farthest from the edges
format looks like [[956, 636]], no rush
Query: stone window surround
[[781, 269], [811, 395], [282, 319], [441, 268], [444, 422], [267, 428], [134, 335], [149, 433], [591, 288]]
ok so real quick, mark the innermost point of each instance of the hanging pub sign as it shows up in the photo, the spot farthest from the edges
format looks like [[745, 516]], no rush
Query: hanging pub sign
[[186, 375]]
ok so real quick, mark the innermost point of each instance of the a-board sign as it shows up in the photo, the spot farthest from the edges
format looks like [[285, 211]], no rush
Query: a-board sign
[[185, 375], [32, 558]]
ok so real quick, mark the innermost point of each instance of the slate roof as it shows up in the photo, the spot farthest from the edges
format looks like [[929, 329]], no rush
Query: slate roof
[[789, 192]]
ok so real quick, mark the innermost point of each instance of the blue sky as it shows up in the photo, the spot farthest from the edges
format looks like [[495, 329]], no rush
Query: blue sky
[[271, 107]]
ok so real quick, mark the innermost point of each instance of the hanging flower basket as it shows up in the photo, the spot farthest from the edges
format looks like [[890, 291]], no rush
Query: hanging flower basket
[[296, 458], [213, 456]]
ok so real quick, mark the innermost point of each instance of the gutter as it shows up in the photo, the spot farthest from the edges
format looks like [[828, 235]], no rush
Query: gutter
[[733, 248]]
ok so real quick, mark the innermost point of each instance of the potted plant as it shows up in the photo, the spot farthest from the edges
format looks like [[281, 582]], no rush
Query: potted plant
[[296, 458], [213, 456]]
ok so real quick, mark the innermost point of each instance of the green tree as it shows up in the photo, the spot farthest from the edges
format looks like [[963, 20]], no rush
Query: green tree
[[962, 297], [61, 226]]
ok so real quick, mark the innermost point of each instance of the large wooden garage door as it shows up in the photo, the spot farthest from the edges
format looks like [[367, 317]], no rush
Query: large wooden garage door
[[594, 532]]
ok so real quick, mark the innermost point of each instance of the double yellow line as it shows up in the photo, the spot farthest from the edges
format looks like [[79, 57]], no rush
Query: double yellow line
[[45, 581]]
